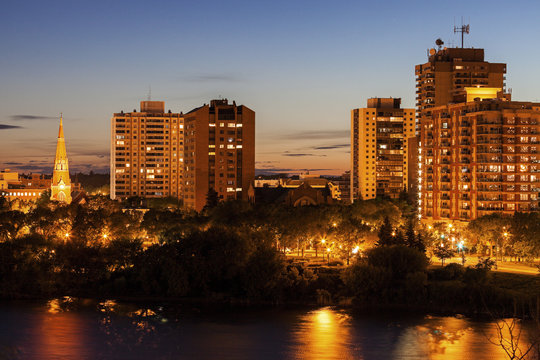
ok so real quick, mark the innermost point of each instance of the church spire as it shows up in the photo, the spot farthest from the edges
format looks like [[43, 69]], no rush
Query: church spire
[[61, 183], [61, 130]]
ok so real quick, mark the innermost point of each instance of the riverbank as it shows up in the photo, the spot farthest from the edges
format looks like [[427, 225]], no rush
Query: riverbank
[[446, 291]]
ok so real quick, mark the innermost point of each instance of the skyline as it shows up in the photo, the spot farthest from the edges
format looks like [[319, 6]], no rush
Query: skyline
[[301, 78]]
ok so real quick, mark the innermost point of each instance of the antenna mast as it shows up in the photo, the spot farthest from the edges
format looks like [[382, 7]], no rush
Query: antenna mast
[[149, 92], [463, 29]]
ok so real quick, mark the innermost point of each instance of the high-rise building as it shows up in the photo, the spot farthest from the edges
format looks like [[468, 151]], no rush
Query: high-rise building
[[61, 183], [219, 152], [147, 152], [449, 71], [480, 157], [442, 80], [380, 136]]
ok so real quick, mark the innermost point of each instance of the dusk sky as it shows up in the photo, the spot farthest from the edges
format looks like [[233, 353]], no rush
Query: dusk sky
[[300, 65]]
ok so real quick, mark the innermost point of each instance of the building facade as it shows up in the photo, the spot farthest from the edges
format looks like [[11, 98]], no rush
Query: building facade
[[61, 183], [19, 187], [380, 136], [147, 157], [219, 152], [448, 72], [479, 157]]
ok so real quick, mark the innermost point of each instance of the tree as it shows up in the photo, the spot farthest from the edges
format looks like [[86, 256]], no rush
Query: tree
[[385, 233], [443, 252], [212, 199], [414, 240]]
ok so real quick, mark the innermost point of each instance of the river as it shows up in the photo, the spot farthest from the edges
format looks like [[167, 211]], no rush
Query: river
[[68, 328]]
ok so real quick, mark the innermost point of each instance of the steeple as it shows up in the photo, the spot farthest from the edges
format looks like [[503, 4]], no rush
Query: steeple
[[61, 183]]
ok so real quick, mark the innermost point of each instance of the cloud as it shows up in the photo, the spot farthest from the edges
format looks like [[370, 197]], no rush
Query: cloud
[[330, 147], [12, 163], [286, 153], [31, 117], [316, 135], [8, 127], [275, 170], [209, 77]]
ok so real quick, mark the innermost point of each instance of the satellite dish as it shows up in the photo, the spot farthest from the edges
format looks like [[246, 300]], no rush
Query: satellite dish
[[439, 42], [432, 51]]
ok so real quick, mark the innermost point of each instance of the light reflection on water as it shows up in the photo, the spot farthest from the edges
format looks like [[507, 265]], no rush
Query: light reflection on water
[[70, 328]]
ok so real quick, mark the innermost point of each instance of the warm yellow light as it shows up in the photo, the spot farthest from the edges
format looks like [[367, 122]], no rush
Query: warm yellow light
[[328, 249], [334, 224], [66, 235], [505, 234], [323, 241], [393, 233], [429, 227], [355, 250], [104, 236]]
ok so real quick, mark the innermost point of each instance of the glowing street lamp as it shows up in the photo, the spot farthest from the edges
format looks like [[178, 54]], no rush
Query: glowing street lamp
[[355, 249]]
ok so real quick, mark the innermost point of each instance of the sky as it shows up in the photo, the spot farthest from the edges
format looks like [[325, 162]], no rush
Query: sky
[[300, 65]]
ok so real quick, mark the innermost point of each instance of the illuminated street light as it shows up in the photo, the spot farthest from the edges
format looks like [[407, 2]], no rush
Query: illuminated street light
[[105, 236], [356, 249], [334, 224], [66, 235], [323, 241]]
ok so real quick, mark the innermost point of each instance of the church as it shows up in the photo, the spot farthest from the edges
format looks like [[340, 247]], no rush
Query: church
[[61, 183]]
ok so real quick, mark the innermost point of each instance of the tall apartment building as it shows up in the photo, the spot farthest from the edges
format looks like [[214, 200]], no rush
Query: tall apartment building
[[380, 140], [147, 152], [480, 157], [443, 79], [219, 152], [449, 71]]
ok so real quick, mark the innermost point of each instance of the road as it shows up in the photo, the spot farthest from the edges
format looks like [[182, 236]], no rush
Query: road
[[502, 266]]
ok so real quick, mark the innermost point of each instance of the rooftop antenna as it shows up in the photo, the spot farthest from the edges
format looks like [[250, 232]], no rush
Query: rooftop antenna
[[463, 29], [149, 92]]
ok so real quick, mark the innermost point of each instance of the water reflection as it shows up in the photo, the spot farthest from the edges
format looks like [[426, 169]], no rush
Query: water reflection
[[323, 334], [71, 328]]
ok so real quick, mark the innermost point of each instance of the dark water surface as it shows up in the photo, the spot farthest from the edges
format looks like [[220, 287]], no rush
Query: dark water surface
[[85, 329]]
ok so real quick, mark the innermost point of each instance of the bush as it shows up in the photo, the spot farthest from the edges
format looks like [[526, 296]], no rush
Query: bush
[[449, 272], [367, 282], [398, 259]]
